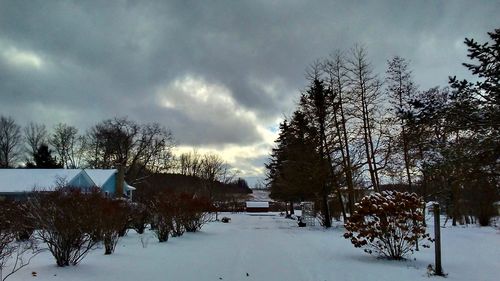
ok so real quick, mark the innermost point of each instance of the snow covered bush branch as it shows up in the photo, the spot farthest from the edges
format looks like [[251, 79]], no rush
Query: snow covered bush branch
[[16, 249], [389, 224]]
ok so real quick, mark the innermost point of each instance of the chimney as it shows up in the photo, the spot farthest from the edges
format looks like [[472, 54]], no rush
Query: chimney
[[120, 179]]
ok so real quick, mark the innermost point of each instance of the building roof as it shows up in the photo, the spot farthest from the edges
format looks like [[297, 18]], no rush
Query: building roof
[[255, 204], [100, 176], [25, 180]]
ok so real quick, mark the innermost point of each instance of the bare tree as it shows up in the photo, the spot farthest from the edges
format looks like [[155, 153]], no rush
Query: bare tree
[[190, 163], [140, 149], [337, 80], [34, 135], [365, 87], [213, 168], [401, 90], [112, 141], [10, 141], [152, 151], [65, 141]]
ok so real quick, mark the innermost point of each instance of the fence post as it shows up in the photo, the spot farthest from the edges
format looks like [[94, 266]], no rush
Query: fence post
[[437, 240]]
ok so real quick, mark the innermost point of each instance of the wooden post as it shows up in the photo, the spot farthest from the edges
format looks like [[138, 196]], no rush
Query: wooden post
[[437, 241]]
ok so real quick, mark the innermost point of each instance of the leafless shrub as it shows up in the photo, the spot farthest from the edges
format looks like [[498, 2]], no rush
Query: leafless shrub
[[197, 212], [67, 222], [113, 217], [14, 252], [175, 213], [162, 216], [139, 217]]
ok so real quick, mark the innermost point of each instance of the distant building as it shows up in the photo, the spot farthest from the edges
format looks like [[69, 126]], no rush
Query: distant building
[[19, 183], [257, 207]]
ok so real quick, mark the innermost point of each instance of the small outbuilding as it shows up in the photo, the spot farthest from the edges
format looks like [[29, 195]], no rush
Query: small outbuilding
[[257, 207]]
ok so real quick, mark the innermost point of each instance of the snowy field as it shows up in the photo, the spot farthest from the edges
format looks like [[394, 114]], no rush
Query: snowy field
[[270, 248]]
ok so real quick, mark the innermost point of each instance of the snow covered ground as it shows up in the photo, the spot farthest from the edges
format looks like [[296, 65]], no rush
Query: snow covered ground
[[272, 248]]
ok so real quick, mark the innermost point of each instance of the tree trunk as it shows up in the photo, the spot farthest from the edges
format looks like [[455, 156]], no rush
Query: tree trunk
[[366, 140], [324, 150], [120, 179]]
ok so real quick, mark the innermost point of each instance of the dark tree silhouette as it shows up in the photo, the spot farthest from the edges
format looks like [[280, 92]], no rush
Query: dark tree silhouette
[[10, 141], [296, 171], [43, 159]]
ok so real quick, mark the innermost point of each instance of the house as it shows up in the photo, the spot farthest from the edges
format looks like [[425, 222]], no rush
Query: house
[[257, 207], [19, 183]]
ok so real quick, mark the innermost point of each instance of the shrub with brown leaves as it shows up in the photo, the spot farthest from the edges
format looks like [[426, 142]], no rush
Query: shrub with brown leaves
[[196, 212], [113, 218], [174, 213], [66, 221], [162, 218], [139, 217], [389, 224]]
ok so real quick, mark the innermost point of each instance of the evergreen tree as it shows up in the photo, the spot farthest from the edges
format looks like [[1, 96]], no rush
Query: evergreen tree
[[314, 102], [43, 159], [463, 153], [474, 113], [476, 105], [296, 170]]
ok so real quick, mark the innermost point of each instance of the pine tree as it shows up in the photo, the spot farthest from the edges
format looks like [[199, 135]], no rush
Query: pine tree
[[463, 153], [483, 96], [43, 159], [474, 113], [296, 170], [314, 102], [476, 105]]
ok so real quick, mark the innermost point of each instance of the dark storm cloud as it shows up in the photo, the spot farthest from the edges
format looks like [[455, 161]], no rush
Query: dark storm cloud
[[98, 59]]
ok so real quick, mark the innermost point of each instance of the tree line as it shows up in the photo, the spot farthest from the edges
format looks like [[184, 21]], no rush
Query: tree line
[[354, 131], [141, 148]]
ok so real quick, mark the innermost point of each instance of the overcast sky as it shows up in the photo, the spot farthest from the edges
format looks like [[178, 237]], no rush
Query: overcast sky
[[219, 74]]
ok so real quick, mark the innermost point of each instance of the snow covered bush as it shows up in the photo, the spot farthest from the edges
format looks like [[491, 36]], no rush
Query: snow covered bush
[[66, 220], [389, 224]]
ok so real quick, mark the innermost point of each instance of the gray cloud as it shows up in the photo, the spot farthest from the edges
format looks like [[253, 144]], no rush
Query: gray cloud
[[82, 61]]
